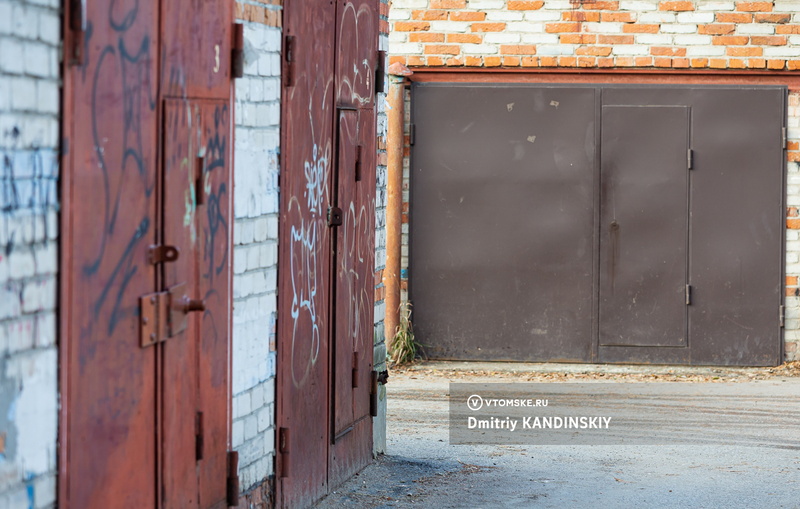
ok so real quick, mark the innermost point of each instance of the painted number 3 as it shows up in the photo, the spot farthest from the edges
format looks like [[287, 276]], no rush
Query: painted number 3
[[216, 58]]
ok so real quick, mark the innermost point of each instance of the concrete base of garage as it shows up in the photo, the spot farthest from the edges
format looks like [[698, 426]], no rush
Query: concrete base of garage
[[421, 468]]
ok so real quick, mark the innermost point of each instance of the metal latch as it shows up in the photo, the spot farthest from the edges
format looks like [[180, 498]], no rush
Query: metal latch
[[688, 295], [232, 492], [162, 315], [283, 448], [237, 52], [380, 73], [335, 216], [375, 379], [359, 165], [289, 57], [161, 254], [354, 381]]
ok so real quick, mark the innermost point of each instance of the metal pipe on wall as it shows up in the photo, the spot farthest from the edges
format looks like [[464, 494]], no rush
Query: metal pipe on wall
[[395, 147]]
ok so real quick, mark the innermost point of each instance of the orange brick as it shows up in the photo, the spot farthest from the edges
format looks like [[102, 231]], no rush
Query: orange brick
[[548, 61], [425, 37], [699, 62], [395, 58], [619, 17], [623, 61], [660, 51], [776, 65], [491, 61], [680, 63], [510, 61], [733, 17], [663, 62], [635, 28], [718, 63], [462, 38], [454, 62], [530, 62], [595, 51], [429, 15], [793, 224], [787, 29], [577, 39], [467, 16], [736, 63], [517, 49], [580, 16], [643, 61], [435, 61], [238, 11], [524, 5], [768, 40], [567, 61], [448, 4], [473, 61], [555, 28], [793, 145], [716, 29], [730, 40], [383, 26], [411, 26], [773, 18], [791, 280], [744, 51], [415, 60], [615, 39], [601, 6], [605, 62], [488, 27], [793, 65], [676, 6], [754, 6], [442, 49], [586, 61], [384, 9]]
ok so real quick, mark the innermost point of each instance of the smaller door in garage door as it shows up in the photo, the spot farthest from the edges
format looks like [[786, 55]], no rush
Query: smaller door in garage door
[[643, 226]]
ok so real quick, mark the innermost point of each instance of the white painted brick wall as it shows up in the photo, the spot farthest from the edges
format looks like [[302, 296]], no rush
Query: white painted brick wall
[[29, 125], [255, 253]]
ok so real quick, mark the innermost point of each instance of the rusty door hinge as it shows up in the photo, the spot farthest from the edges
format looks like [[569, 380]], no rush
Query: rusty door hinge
[[783, 138], [289, 59], [160, 254], [335, 216], [354, 376], [688, 295], [199, 443], [380, 73], [162, 315], [237, 51], [77, 25], [782, 315], [232, 490], [199, 180], [412, 134], [359, 156], [690, 159], [283, 448]]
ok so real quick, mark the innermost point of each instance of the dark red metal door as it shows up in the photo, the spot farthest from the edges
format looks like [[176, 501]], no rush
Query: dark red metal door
[[644, 215], [145, 261]]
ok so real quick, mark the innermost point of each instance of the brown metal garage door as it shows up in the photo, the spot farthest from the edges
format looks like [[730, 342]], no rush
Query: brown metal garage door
[[598, 223]]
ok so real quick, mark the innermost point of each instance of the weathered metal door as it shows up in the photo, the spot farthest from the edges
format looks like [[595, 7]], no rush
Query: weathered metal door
[[327, 246], [145, 267], [644, 215]]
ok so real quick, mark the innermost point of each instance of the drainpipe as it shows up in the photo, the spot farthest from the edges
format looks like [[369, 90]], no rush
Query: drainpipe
[[395, 147]]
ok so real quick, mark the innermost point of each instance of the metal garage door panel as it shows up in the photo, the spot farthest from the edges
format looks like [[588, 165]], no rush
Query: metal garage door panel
[[643, 225], [737, 226], [502, 234]]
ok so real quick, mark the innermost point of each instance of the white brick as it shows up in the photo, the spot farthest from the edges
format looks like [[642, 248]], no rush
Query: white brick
[[410, 4], [657, 17], [714, 6], [49, 28], [557, 5], [695, 17], [692, 40], [478, 49], [411, 48], [654, 39], [781, 52], [237, 434], [542, 16], [37, 59], [638, 6], [5, 18], [397, 37], [525, 27], [485, 4], [629, 49], [25, 21], [11, 58], [507, 16], [786, 7], [449, 26], [540, 39], [603, 28], [399, 14], [705, 51], [23, 94], [555, 49], [501, 38], [755, 28], [677, 28]]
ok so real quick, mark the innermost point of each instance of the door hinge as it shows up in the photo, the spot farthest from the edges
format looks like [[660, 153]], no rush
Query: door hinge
[[359, 156], [232, 490], [78, 25], [283, 448], [783, 138], [199, 184], [690, 159], [380, 73], [688, 295], [412, 134], [198, 436], [237, 52], [354, 381], [289, 48], [160, 254], [782, 315], [373, 394], [335, 216], [162, 315]]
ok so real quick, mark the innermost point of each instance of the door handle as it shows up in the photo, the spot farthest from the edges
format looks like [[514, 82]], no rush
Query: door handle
[[190, 305]]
